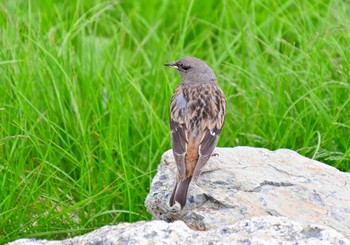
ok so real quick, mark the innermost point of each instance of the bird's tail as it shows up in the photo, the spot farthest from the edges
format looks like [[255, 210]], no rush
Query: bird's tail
[[179, 194]]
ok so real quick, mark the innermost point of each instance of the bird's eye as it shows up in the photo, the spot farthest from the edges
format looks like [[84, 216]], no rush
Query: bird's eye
[[186, 67]]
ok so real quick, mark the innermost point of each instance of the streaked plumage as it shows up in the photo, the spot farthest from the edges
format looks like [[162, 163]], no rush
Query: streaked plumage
[[197, 114]]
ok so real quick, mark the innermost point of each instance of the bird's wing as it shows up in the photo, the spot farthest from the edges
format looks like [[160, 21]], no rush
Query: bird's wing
[[178, 111], [212, 129]]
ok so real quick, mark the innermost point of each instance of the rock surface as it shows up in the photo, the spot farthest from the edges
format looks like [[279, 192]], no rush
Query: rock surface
[[244, 182], [244, 196], [259, 230]]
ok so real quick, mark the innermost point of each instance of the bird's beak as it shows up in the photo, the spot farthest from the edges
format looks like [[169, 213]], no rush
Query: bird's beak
[[173, 65]]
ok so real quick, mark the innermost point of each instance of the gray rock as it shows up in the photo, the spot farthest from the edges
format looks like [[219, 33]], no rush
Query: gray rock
[[245, 196], [258, 230], [244, 182]]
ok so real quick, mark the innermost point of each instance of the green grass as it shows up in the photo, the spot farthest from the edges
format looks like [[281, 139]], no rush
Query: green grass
[[84, 97]]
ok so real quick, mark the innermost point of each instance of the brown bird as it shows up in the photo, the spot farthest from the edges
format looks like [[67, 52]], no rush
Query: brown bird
[[197, 115]]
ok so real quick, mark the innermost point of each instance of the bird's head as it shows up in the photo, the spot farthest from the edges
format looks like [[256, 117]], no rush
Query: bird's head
[[193, 70]]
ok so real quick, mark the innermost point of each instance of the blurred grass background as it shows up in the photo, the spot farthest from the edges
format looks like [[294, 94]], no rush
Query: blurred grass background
[[84, 97]]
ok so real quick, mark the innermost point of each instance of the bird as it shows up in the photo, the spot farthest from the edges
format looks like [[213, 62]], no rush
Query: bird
[[197, 116]]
